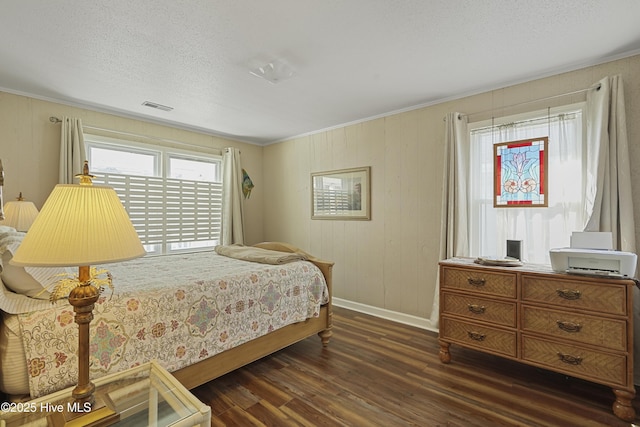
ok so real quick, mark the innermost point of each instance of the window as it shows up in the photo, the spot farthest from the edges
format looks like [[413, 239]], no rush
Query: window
[[123, 160], [173, 197], [539, 228], [192, 168]]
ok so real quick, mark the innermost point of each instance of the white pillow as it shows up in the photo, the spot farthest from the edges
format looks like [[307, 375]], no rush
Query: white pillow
[[30, 281], [5, 229], [8, 235]]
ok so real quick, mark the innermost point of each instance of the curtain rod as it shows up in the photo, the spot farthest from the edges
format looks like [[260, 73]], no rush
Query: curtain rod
[[54, 119], [575, 92]]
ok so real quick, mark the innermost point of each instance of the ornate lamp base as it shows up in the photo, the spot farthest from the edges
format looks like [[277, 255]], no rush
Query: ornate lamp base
[[84, 408]]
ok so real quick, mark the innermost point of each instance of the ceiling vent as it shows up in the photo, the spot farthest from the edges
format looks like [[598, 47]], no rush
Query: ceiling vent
[[157, 106]]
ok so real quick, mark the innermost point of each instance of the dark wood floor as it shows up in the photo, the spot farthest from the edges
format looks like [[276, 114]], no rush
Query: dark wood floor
[[377, 372]]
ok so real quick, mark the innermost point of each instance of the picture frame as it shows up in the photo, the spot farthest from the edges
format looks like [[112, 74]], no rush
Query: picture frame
[[520, 173], [343, 194]]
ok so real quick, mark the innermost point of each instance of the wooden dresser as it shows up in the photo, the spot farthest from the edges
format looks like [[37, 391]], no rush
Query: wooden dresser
[[576, 325]]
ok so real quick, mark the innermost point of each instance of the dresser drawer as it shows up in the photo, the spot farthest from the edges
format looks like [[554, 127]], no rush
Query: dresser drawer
[[575, 360], [581, 328], [591, 297], [502, 313], [491, 340], [479, 281]]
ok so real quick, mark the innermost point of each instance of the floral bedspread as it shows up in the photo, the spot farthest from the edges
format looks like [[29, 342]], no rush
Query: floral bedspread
[[176, 309]]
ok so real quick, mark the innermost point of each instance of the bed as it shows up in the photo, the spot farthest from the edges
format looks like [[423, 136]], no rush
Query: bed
[[200, 315]]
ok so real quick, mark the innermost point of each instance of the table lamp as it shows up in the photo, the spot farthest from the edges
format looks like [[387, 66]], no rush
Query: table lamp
[[19, 214], [80, 225]]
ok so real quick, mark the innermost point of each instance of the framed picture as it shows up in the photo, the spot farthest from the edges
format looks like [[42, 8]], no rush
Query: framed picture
[[341, 194], [520, 173]]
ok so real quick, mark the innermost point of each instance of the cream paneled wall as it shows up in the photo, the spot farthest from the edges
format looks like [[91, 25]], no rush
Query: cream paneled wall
[[30, 149], [390, 262]]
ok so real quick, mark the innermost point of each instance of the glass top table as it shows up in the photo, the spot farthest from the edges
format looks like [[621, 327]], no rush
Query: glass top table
[[144, 395]]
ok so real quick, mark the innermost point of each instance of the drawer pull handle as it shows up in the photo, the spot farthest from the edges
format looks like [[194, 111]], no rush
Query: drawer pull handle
[[476, 282], [476, 336], [568, 294], [569, 326], [571, 360], [476, 309]]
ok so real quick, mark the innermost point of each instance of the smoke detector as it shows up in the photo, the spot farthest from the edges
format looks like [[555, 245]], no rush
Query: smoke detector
[[274, 72]]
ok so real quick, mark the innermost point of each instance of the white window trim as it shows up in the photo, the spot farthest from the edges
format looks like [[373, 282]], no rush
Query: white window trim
[[503, 120]]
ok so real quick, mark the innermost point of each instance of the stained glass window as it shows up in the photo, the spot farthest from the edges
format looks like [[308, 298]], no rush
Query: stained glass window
[[520, 173]]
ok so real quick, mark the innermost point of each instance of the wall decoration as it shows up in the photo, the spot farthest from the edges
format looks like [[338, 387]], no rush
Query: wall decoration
[[247, 184], [341, 194], [520, 173]]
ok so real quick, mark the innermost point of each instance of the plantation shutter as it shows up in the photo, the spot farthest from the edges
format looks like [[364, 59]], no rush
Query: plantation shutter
[[169, 210]]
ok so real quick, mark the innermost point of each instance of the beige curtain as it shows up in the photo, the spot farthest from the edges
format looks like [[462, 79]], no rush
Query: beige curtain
[[1, 184], [72, 150], [609, 205], [232, 201], [454, 236]]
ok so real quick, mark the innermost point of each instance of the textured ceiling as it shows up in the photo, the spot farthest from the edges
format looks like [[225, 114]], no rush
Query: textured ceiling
[[353, 59]]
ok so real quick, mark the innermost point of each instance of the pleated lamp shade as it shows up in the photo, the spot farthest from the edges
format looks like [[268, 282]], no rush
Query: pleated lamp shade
[[19, 214], [79, 225]]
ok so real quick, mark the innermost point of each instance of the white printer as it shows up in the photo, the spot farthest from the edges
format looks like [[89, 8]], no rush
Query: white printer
[[590, 253]]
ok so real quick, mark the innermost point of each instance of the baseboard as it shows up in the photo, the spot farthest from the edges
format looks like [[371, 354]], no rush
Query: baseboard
[[394, 316]]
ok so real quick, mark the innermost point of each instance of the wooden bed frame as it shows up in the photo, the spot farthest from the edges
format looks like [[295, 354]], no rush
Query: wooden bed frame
[[229, 360]]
